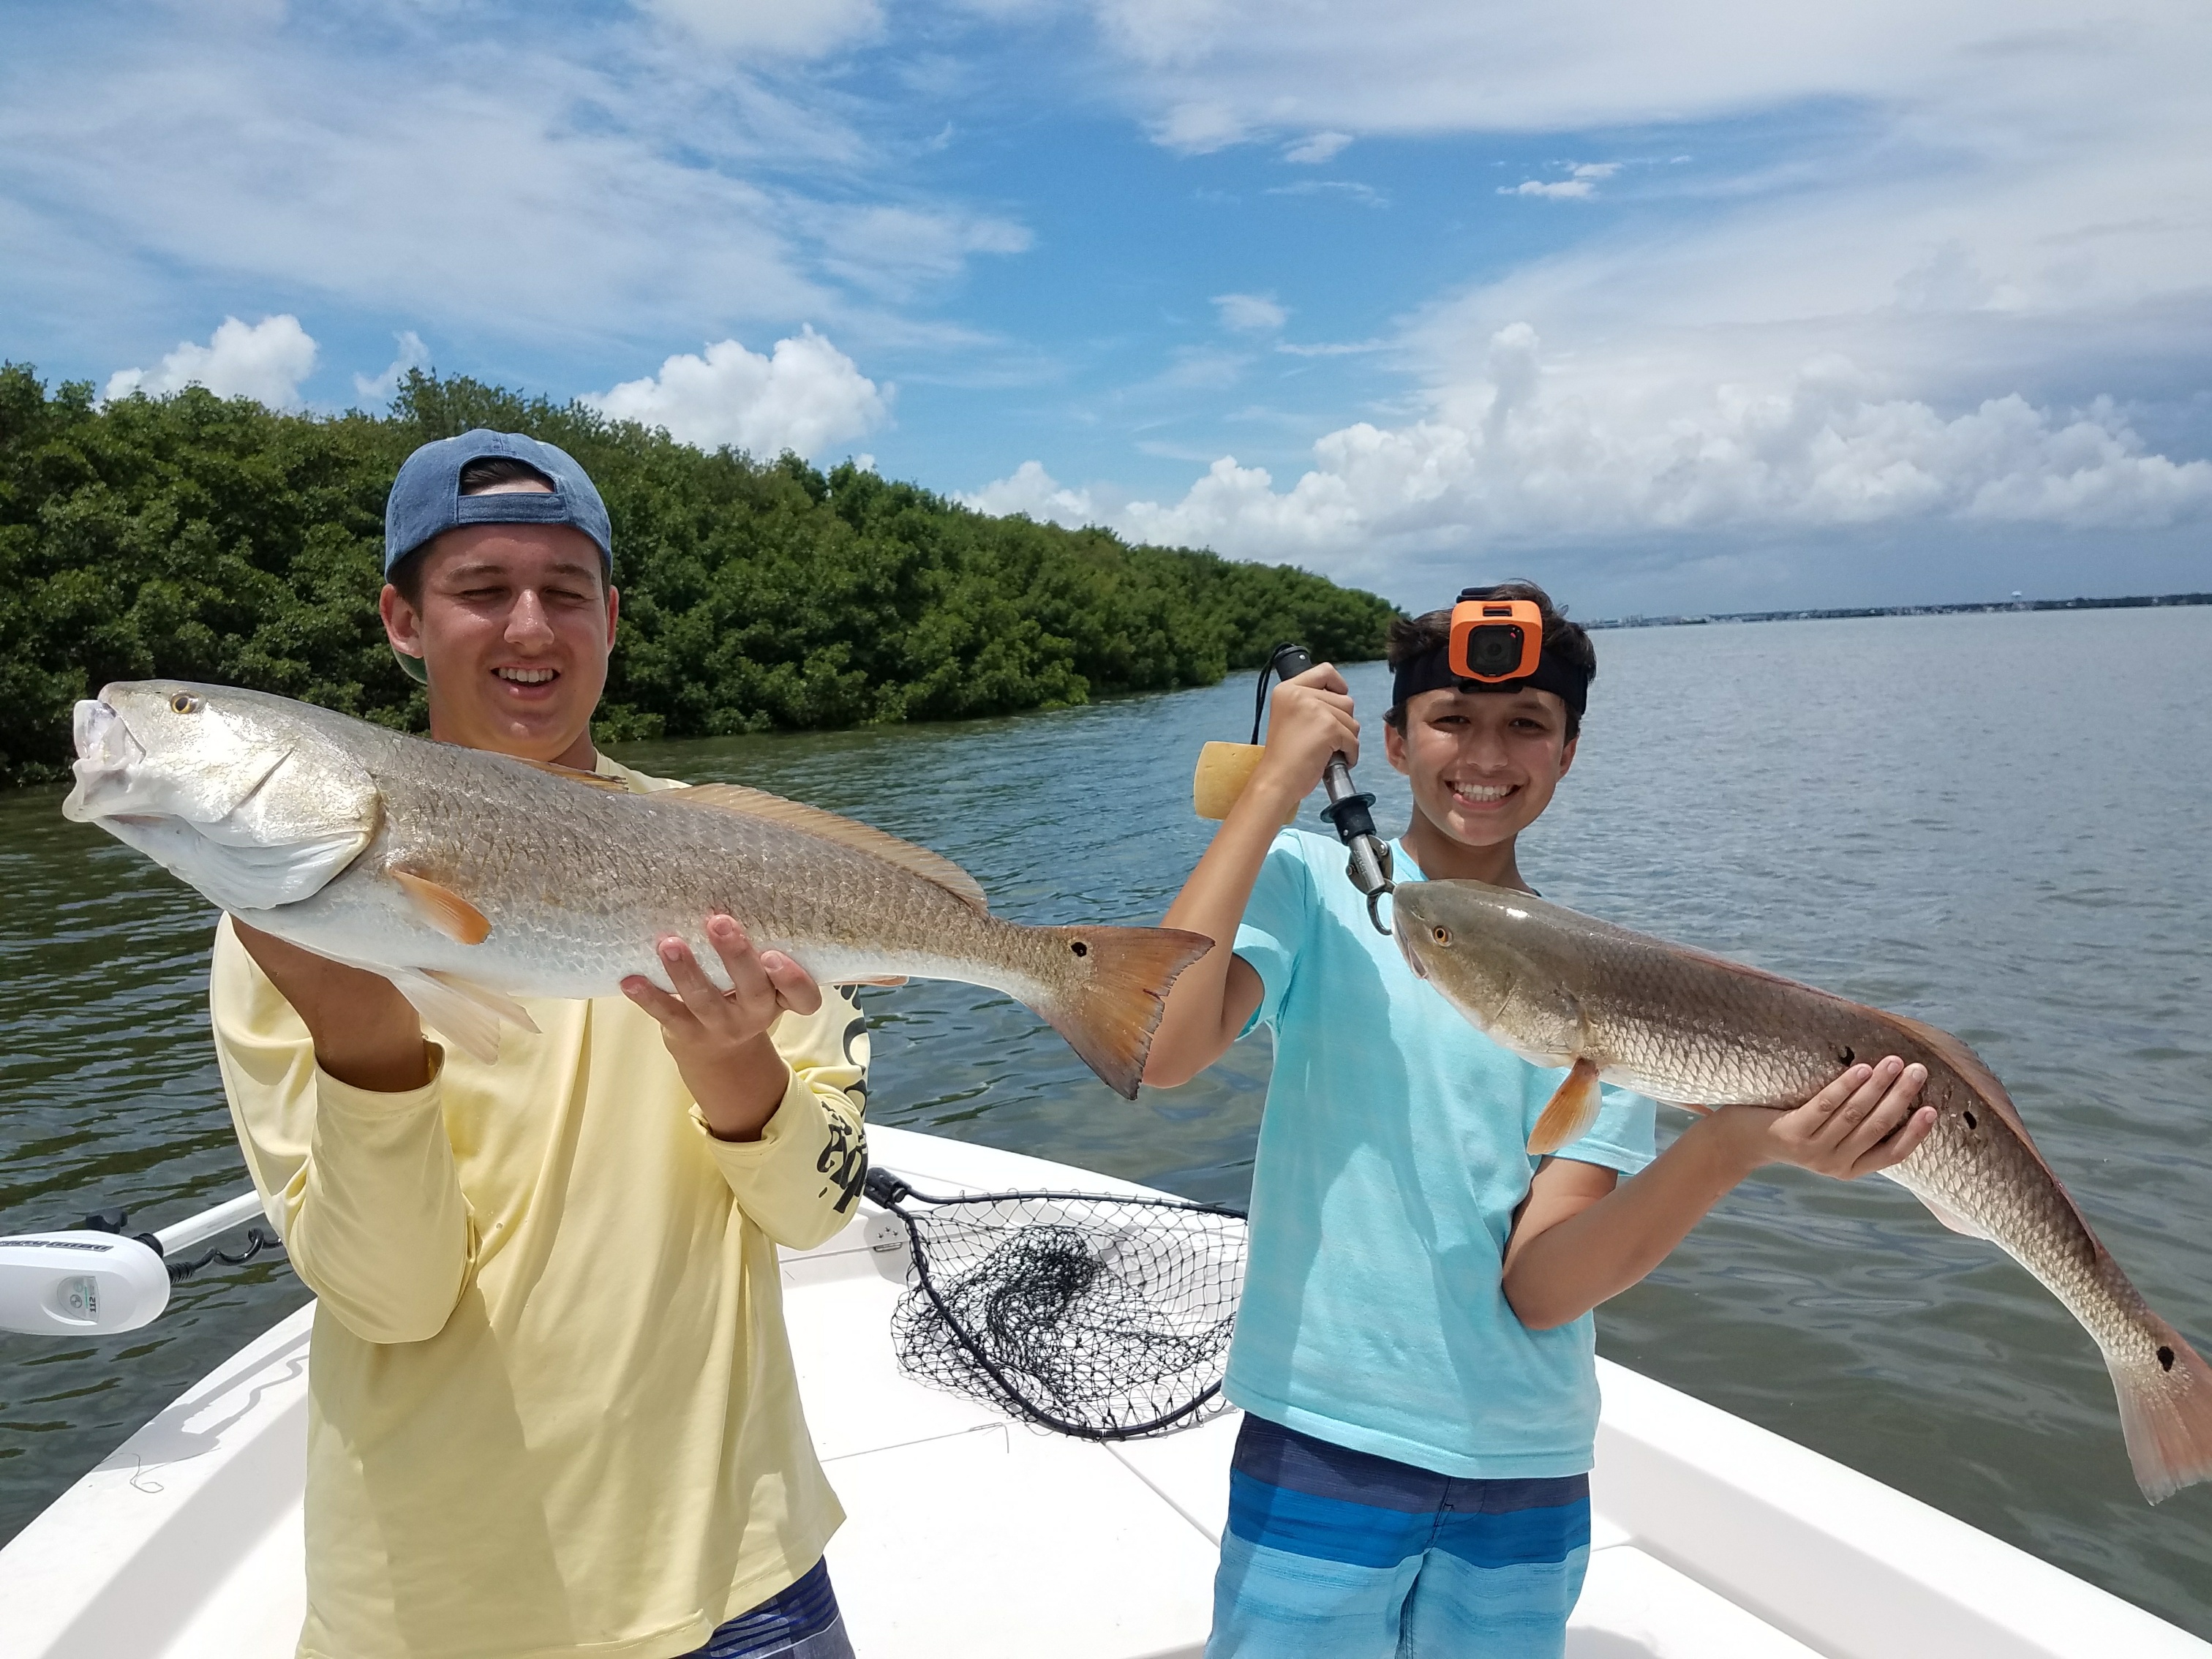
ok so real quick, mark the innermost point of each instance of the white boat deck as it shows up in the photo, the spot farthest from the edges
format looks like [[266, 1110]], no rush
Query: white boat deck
[[969, 1536]]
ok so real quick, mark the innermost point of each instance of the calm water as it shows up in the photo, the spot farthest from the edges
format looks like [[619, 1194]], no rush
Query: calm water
[[2002, 823]]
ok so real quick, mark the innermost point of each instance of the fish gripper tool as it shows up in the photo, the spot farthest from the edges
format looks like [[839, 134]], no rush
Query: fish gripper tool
[[1348, 812]]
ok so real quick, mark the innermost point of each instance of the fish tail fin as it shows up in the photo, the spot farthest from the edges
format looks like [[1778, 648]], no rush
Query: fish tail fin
[[1110, 1005], [2166, 1411]]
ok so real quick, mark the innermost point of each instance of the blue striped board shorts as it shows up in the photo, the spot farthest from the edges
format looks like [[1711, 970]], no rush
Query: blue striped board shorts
[[1338, 1554], [801, 1622]]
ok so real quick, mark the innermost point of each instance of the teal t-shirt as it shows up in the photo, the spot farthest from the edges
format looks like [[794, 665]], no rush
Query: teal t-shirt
[[1392, 1155]]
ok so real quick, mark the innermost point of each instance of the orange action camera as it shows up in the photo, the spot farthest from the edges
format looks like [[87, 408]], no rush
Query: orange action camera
[[1494, 640]]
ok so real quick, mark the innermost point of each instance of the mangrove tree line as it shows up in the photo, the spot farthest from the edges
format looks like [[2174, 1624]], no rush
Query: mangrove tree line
[[199, 538]]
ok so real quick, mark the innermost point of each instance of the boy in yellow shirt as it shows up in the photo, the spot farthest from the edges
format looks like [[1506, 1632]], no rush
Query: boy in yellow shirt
[[552, 1409]]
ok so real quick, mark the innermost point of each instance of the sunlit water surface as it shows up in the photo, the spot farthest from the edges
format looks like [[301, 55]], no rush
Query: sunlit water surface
[[2001, 824]]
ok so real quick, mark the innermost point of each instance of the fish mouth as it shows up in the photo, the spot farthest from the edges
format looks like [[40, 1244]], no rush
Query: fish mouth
[[1403, 934], [106, 752]]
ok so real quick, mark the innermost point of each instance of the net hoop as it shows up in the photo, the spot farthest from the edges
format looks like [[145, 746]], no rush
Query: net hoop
[[930, 1289]]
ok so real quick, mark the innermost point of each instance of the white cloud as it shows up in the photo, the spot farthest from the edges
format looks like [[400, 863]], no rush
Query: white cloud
[[1532, 454], [1030, 490], [805, 397], [1314, 150], [413, 354], [1253, 313], [618, 187], [1560, 189], [1350, 189], [895, 250], [266, 361], [1198, 129], [1581, 181], [791, 28]]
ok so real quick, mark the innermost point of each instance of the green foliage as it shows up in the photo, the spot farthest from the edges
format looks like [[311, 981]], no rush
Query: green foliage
[[193, 537]]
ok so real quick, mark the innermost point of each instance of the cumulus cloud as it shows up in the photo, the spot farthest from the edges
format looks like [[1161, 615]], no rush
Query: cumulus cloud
[[804, 397], [413, 354], [1581, 181], [265, 362], [1524, 455], [790, 28], [1031, 490], [1250, 314], [1314, 150]]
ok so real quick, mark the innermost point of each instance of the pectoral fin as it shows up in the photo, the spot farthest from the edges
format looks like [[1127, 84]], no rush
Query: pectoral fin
[[1570, 1113], [466, 1013], [1951, 1218], [445, 909]]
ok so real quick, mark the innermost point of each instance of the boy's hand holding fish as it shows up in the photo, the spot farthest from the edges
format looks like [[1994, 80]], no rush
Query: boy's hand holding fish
[[718, 1038], [1567, 1255]]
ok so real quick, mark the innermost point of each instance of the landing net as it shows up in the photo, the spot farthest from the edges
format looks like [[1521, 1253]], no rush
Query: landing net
[[1098, 1316]]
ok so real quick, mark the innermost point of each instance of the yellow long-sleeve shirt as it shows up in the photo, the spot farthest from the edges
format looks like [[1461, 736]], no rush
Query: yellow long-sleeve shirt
[[551, 1407]]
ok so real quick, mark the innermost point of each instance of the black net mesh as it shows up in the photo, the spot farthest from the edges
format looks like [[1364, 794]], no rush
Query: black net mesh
[[1098, 1316]]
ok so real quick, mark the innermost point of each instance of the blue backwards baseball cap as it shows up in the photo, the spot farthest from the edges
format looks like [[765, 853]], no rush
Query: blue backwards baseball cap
[[426, 499]]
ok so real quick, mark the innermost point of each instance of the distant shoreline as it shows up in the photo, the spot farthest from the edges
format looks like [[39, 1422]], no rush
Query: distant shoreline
[[2130, 602]]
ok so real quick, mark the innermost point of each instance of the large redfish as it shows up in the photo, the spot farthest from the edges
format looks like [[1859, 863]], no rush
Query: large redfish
[[1561, 989], [470, 878]]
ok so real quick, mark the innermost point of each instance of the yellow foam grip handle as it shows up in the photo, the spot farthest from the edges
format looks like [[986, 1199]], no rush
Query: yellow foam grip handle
[[1224, 769]]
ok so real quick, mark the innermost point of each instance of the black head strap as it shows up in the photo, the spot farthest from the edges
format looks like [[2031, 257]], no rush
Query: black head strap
[[1431, 671]]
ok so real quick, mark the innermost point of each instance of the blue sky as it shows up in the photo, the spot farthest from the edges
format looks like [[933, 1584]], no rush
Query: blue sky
[[1720, 306]]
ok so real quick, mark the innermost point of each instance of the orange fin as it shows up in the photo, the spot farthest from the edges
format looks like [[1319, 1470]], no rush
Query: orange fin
[[575, 774], [1567, 1116], [861, 837], [445, 909], [1108, 1014], [873, 978]]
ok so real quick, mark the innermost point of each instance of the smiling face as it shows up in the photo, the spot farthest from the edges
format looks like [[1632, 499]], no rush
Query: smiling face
[[514, 623], [1483, 766]]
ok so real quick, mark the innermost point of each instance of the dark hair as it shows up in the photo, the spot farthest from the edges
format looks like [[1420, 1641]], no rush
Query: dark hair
[[1416, 636], [478, 475], [485, 471]]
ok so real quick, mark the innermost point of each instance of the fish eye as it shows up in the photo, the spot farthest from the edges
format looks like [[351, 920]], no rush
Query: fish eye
[[184, 704], [1442, 935]]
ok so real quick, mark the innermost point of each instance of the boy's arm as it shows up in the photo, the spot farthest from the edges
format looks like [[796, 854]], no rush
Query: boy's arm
[[1309, 718], [1580, 1238], [338, 1105], [799, 1178]]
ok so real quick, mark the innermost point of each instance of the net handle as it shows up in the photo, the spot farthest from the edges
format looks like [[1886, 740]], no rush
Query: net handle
[[888, 1192]]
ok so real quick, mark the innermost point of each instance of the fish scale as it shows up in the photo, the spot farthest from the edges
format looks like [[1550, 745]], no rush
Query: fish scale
[[1560, 989]]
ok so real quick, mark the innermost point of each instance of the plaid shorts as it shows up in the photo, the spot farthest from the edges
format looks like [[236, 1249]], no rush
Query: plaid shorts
[[801, 1622], [1338, 1554]]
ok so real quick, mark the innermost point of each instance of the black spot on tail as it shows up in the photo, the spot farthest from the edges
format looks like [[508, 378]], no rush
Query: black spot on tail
[[2166, 1360], [1080, 948], [1970, 1120], [1844, 1055]]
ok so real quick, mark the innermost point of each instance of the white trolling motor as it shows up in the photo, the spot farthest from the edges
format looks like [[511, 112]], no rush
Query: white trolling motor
[[1224, 769], [93, 1279]]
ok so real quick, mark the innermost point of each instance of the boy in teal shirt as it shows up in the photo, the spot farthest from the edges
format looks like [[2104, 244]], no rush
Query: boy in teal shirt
[[1415, 1353]]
